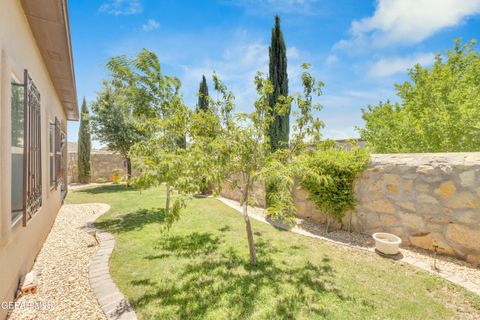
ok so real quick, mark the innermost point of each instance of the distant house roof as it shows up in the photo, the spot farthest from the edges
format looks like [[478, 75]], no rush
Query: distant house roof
[[50, 26]]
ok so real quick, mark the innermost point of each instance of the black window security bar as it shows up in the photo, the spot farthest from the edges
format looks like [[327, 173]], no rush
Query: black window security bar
[[58, 152], [32, 161], [63, 167]]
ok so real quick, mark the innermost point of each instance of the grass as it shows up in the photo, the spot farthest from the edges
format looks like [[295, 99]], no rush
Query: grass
[[200, 268]]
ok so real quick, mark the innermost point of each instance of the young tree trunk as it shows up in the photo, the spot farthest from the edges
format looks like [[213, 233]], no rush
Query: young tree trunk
[[129, 170], [251, 245], [167, 201]]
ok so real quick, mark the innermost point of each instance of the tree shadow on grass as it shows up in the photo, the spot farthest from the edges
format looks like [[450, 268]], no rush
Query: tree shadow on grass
[[132, 221], [194, 245], [223, 281], [111, 188]]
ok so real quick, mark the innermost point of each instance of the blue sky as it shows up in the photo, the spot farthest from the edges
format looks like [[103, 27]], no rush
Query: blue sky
[[358, 48]]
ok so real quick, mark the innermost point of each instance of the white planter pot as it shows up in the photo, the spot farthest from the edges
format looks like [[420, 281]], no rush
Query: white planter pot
[[387, 243]]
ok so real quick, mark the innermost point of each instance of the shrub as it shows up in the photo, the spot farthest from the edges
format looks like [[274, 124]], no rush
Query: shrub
[[328, 173]]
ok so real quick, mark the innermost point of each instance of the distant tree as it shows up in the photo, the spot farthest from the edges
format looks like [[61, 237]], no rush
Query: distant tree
[[279, 129], [203, 95], [439, 109], [115, 124], [84, 145]]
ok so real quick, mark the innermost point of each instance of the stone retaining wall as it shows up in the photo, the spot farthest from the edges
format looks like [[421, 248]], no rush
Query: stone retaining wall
[[102, 164], [426, 199]]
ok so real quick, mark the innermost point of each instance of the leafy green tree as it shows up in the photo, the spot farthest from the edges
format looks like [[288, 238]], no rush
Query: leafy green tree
[[156, 101], [279, 130], [203, 95], [160, 159], [84, 145], [240, 152], [114, 122], [439, 109]]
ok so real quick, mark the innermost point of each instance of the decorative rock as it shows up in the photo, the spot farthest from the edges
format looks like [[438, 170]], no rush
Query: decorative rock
[[408, 185], [372, 219], [425, 198], [392, 179], [388, 220], [467, 217], [428, 239], [411, 220], [425, 169], [381, 205], [422, 187], [304, 209], [300, 194], [446, 189], [407, 205], [473, 259], [464, 200], [437, 219], [463, 236], [467, 178], [392, 188]]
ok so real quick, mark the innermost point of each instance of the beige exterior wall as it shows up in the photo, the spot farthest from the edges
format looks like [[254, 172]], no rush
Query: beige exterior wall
[[19, 245], [426, 199]]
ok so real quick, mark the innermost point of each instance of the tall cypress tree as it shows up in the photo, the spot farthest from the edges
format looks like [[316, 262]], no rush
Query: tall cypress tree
[[203, 95], [279, 130], [84, 145]]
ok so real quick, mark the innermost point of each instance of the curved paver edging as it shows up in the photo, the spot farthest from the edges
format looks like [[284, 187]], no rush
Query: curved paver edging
[[416, 263], [111, 300]]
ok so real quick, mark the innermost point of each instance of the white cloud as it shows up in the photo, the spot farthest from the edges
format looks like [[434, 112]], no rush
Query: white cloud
[[150, 25], [408, 21], [331, 60], [389, 66], [122, 7], [237, 66], [293, 52], [305, 7]]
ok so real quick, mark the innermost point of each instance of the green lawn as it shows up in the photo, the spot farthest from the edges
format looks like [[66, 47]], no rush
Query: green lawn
[[200, 269]]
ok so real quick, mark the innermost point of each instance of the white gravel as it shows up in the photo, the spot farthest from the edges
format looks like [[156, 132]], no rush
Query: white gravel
[[62, 268]]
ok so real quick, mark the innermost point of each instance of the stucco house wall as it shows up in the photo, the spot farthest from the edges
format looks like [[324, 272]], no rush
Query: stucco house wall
[[20, 245]]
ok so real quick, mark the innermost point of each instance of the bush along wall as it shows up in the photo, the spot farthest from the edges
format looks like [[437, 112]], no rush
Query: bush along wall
[[328, 175]]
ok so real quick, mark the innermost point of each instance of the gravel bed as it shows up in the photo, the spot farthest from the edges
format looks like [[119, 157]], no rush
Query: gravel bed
[[62, 268]]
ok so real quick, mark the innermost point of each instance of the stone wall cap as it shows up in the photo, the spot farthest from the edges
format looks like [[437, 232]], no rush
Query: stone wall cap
[[415, 159]]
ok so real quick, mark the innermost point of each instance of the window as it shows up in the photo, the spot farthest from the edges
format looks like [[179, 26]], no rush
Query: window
[[56, 145], [17, 148], [58, 151], [26, 150], [51, 153]]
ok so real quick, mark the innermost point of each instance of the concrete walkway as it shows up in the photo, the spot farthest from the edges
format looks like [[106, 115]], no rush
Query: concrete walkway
[[417, 260]]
